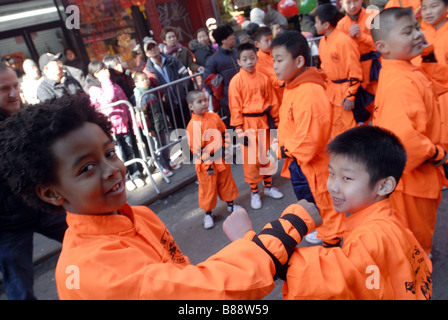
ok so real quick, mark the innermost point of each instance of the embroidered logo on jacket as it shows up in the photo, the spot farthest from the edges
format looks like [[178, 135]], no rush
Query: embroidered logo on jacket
[[171, 247]]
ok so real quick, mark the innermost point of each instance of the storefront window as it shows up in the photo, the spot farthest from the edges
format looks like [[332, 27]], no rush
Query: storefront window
[[107, 29]]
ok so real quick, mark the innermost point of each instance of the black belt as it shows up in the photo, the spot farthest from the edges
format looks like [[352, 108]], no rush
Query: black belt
[[266, 112]]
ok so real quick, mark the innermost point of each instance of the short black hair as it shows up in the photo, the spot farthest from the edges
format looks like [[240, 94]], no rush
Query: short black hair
[[95, 66], [328, 13], [294, 42], [28, 136], [244, 47], [378, 149], [191, 96], [384, 21], [262, 31]]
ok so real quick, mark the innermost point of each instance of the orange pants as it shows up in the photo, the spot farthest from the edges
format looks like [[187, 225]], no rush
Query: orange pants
[[417, 214], [256, 164], [211, 186]]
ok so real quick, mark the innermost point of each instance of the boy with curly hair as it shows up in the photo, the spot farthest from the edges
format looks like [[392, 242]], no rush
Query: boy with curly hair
[[61, 157]]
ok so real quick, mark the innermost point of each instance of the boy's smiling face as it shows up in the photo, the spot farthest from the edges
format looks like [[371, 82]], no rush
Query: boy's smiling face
[[91, 177], [404, 41], [348, 185]]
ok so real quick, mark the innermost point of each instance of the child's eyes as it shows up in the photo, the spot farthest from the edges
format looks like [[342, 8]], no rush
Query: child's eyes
[[111, 153], [86, 168], [347, 178]]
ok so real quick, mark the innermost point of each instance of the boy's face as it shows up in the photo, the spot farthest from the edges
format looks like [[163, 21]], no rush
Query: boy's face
[[141, 81], [91, 177], [200, 104], [320, 27], [248, 60], [405, 40], [434, 11], [153, 51], [276, 29], [285, 66], [352, 7], [348, 185], [265, 43]]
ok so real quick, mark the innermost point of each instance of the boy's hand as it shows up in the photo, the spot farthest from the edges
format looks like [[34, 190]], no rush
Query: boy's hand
[[355, 31], [349, 105], [237, 224], [312, 211]]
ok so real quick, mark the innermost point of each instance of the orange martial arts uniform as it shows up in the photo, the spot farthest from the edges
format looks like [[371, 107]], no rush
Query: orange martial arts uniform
[[265, 65], [406, 103], [366, 47], [379, 259], [303, 133], [206, 136], [132, 255], [339, 56], [250, 96]]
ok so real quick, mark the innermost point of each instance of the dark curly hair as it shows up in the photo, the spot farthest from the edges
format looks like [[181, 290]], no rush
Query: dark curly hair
[[26, 140]]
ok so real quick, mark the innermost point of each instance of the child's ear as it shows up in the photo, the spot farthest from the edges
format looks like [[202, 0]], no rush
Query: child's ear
[[382, 47], [300, 61], [239, 62], [257, 44], [387, 186], [49, 195]]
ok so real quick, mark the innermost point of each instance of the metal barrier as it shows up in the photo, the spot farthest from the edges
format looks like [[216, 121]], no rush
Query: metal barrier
[[144, 160], [313, 44], [180, 88]]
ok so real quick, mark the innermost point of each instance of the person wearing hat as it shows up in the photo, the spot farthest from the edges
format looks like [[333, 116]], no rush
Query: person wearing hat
[[55, 82], [211, 24], [224, 63]]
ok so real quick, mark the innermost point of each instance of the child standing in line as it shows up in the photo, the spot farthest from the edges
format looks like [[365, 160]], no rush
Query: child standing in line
[[339, 55], [304, 130], [406, 103], [434, 13], [254, 109], [115, 251], [356, 23], [156, 120], [207, 136]]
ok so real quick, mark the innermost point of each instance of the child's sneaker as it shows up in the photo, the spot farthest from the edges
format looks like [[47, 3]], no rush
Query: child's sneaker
[[208, 221], [139, 182], [167, 172], [273, 193], [230, 210], [175, 166], [255, 201], [312, 238], [130, 186]]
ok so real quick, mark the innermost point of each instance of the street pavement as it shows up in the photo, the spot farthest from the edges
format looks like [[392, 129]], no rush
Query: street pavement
[[177, 207]]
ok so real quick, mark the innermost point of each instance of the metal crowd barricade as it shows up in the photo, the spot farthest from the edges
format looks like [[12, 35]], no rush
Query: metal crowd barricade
[[167, 91], [144, 160], [313, 44]]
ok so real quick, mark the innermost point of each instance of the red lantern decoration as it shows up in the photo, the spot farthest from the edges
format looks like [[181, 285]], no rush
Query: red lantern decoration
[[138, 3], [126, 3], [288, 8]]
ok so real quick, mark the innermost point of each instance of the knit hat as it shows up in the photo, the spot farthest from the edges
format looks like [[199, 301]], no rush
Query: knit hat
[[221, 33]]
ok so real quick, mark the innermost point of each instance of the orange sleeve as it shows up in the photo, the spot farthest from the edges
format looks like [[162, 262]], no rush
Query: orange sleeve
[[351, 56], [236, 102]]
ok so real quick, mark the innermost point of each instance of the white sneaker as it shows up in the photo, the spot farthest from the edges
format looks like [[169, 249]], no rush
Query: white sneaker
[[208, 221], [130, 186], [312, 238], [139, 183], [255, 201], [273, 193], [175, 166], [229, 208]]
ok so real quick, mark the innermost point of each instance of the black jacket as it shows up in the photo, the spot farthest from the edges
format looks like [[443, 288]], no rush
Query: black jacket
[[50, 89]]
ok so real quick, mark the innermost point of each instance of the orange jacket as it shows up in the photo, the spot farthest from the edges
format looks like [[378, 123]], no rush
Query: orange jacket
[[406, 104], [365, 41], [339, 55], [305, 126], [265, 65], [203, 143], [379, 259], [134, 256], [251, 93]]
